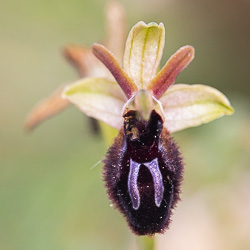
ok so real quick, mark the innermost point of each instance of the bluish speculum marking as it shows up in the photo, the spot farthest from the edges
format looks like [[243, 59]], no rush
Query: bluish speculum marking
[[133, 190], [132, 183], [153, 167]]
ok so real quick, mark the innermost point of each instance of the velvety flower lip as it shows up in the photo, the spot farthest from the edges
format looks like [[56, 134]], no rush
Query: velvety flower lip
[[183, 105]]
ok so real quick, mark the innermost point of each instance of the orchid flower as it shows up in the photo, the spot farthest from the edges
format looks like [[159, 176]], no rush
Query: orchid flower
[[143, 168], [86, 64], [183, 105]]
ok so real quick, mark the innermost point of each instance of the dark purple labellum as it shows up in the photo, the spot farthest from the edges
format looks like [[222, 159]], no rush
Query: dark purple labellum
[[143, 173]]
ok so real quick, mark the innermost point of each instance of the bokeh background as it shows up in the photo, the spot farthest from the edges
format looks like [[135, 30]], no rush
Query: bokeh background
[[50, 197]]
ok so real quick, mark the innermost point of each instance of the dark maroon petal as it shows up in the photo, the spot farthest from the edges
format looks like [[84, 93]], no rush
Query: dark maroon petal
[[107, 58], [167, 75], [81, 58], [143, 173]]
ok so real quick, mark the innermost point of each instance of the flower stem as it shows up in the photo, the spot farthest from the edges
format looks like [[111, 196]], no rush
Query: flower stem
[[145, 243], [108, 133]]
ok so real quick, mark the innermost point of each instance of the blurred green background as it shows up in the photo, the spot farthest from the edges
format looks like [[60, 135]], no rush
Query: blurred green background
[[50, 198]]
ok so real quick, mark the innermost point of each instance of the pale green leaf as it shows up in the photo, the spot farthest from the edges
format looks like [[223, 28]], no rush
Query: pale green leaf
[[192, 105], [143, 52], [99, 98]]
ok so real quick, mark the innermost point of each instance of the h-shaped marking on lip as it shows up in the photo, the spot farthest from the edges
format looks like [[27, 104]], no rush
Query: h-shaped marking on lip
[[133, 190]]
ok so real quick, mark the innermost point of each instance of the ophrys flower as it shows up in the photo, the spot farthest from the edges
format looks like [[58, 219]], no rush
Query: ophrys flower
[[143, 168]]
